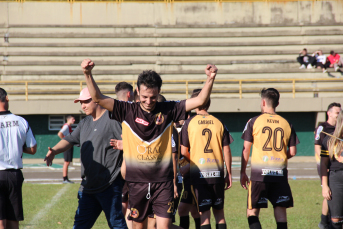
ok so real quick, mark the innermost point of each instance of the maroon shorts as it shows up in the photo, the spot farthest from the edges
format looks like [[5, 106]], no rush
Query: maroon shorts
[[11, 204], [209, 195], [187, 195], [125, 193], [159, 200], [278, 193]]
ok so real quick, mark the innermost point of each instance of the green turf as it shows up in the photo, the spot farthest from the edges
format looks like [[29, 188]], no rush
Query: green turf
[[305, 214]]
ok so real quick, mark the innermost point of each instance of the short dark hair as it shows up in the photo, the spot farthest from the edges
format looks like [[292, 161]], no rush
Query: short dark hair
[[161, 98], [123, 86], [135, 95], [305, 50], [205, 107], [271, 95], [3, 95], [69, 116], [333, 105], [150, 79], [332, 52]]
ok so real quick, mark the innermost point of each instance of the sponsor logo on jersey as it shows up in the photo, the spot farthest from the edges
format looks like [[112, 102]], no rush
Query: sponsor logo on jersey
[[202, 161], [265, 158], [210, 174], [283, 199], [134, 213], [272, 172], [320, 128], [141, 121], [148, 153], [159, 119], [173, 142], [179, 179], [205, 202]]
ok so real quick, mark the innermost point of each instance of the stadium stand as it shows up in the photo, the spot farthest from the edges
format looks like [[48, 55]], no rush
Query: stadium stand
[[247, 58]]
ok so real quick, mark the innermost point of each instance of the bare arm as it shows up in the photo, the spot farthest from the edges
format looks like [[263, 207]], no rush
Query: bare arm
[[317, 150], [204, 95], [30, 150], [104, 101], [60, 147], [228, 163], [291, 152], [59, 134], [175, 162], [244, 163], [324, 165], [185, 152]]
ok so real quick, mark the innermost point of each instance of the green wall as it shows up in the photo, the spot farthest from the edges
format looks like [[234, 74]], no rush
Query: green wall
[[44, 137], [303, 122]]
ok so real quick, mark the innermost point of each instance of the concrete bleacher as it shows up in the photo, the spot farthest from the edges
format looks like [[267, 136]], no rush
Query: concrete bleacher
[[178, 53]]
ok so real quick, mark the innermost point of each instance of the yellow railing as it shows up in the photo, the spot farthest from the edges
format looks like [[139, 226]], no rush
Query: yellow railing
[[182, 89], [152, 1]]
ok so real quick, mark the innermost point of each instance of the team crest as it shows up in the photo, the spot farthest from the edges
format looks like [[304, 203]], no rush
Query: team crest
[[134, 213], [159, 119]]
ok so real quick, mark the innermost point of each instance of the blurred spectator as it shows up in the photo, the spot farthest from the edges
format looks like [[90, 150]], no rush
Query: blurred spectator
[[336, 60], [305, 60], [321, 60]]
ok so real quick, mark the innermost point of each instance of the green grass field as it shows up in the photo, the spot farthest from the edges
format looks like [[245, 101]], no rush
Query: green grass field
[[42, 211]]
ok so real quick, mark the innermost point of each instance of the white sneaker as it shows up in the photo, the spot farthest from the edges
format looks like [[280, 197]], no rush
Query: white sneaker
[[336, 69], [302, 66], [325, 71], [309, 66]]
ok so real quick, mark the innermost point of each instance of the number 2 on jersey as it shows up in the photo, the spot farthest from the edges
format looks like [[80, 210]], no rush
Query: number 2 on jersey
[[275, 136], [206, 149]]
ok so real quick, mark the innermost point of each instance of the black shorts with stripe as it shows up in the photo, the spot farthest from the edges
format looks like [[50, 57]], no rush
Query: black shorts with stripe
[[278, 193], [209, 195]]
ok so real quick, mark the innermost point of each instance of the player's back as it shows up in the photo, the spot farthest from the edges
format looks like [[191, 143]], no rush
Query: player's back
[[205, 136], [270, 135]]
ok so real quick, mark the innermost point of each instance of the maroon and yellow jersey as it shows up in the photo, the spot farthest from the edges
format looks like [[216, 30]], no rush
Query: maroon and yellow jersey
[[271, 135], [319, 135], [205, 136], [147, 139]]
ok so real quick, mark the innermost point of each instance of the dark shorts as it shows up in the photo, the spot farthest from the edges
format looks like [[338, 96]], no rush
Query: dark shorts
[[11, 202], [278, 193], [209, 195], [336, 186], [125, 195], [161, 201], [68, 155], [187, 195]]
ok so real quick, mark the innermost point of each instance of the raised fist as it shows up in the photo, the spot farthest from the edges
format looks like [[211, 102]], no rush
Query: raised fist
[[211, 71], [87, 66]]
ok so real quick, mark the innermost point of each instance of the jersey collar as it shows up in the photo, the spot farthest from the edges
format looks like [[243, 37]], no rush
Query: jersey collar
[[5, 112]]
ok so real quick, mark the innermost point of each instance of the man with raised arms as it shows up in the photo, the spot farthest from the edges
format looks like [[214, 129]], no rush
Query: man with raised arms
[[147, 129]]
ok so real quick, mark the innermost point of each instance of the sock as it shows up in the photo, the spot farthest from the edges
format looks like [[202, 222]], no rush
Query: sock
[[65, 178], [197, 223], [184, 222], [254, 222], [324, 219], [281, 225], [336, 225], [206, 226], [221, 226]]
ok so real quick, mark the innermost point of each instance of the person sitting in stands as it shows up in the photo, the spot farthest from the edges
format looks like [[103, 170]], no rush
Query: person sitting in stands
[[336, 60], [305, 60], [321, 60]]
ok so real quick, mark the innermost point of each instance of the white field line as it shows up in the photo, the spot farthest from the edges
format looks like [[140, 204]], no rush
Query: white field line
[[47, 207]]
